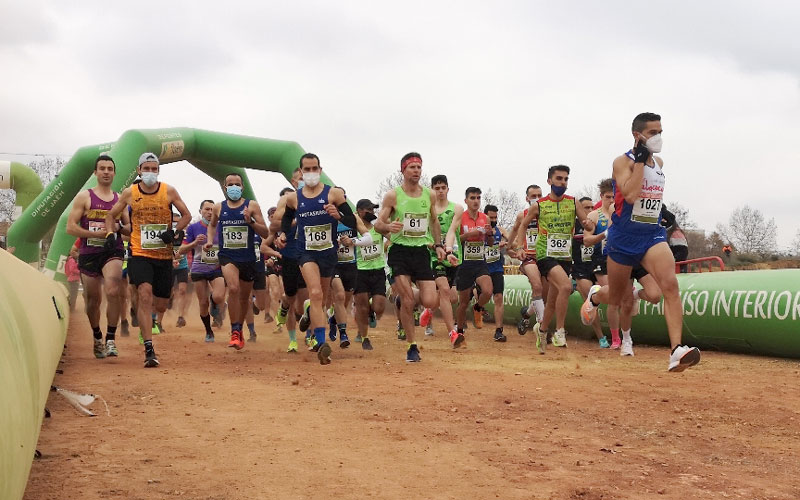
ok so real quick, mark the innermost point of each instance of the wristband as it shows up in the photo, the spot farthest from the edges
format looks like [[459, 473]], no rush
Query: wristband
[[438, 245], [109, 233]]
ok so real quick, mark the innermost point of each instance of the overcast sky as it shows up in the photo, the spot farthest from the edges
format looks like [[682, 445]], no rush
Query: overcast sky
[[491, 93]]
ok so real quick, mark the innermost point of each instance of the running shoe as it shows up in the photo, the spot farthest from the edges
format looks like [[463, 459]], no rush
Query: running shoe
[[99, 349], [358, 338], [292, 346], [425, 317], [416, 316], [683, 357], [134, 318], [210, 337], [627, 348], [268, 318], [214, 312], [124, 328], [373, 319], [457, 339], [237, 340], [412, 354], [401, 333], [344, 342], [278, 328], [305, 320], [604, 343], [589, 310], [616, 343], [181, 322], [155, 329], [111, 349], [366, 344], [253, 337], [541, 338], [525, 323], [280, 318], [332, 328], [560, 338], [256, 310], [485, 314], [636, 301], [150, 359], [429, 330], [324, 354], [499, 337], [311, 342], [477, 318]]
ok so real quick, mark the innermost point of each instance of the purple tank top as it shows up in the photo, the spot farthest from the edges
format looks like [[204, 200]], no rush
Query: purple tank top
[[94, 221]]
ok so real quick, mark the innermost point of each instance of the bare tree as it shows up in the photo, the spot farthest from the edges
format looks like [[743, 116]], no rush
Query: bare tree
[[749, 232], [393, 180], [681, 215], [795, 248], [508, 204], [585, 191]]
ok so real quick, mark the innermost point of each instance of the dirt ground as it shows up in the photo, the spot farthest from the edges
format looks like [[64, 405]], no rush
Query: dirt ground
[[489, 421]]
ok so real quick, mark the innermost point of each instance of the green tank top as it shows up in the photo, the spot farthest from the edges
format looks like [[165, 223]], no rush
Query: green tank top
[[371, 257], [445, 221], [414, 213], [556, 225]]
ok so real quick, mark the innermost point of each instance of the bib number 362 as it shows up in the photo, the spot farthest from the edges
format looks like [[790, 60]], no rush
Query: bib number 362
[[558, 245]]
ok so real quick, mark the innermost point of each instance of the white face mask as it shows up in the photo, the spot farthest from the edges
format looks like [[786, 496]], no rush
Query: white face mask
[[654, 143], [149, 178], [311, 179]]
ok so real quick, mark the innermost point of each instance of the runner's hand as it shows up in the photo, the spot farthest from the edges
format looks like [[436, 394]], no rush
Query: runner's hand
[[332, 211], [167, 236], [395, 226], [452, 259], [346, 241], [178, 238], [440, 253], [200, 239], [640, 153], [208, 245], [111, 242]]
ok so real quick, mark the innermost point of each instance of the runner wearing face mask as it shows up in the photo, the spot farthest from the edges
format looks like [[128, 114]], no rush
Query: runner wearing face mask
[[636, 236], [494, 260], [152, 240], [234, 223], [527, 254]]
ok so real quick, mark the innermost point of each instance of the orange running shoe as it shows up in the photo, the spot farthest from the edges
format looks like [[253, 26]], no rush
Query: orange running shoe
[[477, 318]]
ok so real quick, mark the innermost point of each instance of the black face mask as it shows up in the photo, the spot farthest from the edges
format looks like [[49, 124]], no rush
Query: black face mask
[[369, 217], [493, 223]]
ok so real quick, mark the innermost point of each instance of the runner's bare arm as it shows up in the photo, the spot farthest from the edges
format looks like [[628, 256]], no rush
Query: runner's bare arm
[[582, 217], [256, 220], [275, 220], [589, 238], [533, 212], [176, 201], [125, 228], [211, 230], [512, 237], [384, 221], [113, 214], [79, 207], [628, 177], [287, 218], [450, 239], [436, 230]]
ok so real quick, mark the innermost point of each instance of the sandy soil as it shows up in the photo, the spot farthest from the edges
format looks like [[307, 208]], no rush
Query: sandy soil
[[489, 421]]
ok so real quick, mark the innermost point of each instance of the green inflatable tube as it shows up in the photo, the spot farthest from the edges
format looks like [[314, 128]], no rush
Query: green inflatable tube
[[23, 180], [33, 326], [753, 312], [214, 153]]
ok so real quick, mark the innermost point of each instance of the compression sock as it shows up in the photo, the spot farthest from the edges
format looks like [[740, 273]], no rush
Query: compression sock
[[207, 323], [111, 333], [98, 334]]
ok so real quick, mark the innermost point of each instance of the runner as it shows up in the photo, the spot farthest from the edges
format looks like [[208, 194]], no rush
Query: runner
[[557, 215], [475, 234], [259, 294], [636, 237], [234, 222], [206, 273], [152, 239], [527, 254], [100, 264], [343, 284], [444, 271], [370, 288], [407, 212], [180, 273], [494, 261], [316, 208], [582, 265]]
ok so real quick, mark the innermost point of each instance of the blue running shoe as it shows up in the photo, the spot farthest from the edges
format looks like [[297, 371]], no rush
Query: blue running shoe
[[332, 327], [412, 355], [345, 342]]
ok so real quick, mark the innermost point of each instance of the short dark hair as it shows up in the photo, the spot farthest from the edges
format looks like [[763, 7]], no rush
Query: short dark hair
[[534, 186], [286, 190], [410, 155], [557, 168], [310, 156], [606, 185], [585, 198], [471, 190], [104, 157], [230, 174], [204, 202], [640, 122], [439, 179], [490, 208]]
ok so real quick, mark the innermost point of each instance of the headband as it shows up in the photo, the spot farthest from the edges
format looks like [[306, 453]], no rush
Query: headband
[[410, 159]]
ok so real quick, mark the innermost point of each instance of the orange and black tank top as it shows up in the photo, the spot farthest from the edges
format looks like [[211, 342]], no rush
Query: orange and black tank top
[[151, 215]]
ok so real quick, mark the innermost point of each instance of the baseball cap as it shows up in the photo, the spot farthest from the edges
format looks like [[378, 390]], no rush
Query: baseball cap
[[147, 157], [365, 204]]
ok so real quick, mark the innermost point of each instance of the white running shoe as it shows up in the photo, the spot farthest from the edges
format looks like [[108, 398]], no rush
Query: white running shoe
[[626, 349], [683, 357], [560, 338], [636, 301], [429, 330]]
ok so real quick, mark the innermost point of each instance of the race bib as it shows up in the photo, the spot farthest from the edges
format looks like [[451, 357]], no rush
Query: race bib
[[210, 256], [346, 253], [473, 250], [234, 237], [646, 210], [558, 245], [492, 254], [96, 227], [150, 234], [530, 237], [371, 252], [415, 225], [587, 253], [318, 237]]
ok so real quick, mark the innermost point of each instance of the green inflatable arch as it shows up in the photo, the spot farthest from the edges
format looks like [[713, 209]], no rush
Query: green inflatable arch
[[23, 180], [213, 153]]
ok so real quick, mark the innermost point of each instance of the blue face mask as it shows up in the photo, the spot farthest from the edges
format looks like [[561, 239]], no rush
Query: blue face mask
[[234, 192], [300, 185], [558, 190], [205, 221]]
